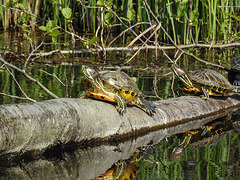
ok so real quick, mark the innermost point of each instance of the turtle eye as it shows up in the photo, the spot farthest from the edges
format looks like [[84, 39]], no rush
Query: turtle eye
[[92, 71], [179, 70]]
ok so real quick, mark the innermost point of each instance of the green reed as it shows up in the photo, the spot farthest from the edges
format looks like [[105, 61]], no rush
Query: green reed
[[186, 21]]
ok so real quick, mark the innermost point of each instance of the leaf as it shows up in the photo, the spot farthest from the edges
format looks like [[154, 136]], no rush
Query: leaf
[[194, 23], [55, 33], [184, 2], [21, 6], [108, 17], [50, 25], [43, 28], [8, 4], [180, 11], [54, 40], [93, 40], [100, 3], [26, 16], [131, 14], [25, 35], [109, 3], [194, 15], [125, 19], [67, 13]]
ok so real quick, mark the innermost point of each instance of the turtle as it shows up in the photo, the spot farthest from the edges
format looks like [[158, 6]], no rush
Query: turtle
[[116, 87], [123, 169], [200, 137], [234, 72], [205, 82]]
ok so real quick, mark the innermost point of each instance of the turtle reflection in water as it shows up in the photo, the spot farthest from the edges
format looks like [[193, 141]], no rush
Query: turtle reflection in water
[[234, 72], [205, 82], [126, 169], [208, 135], [114, 86]]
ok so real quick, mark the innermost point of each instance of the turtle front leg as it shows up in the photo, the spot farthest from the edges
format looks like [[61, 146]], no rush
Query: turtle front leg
[[121, 104], [205, 94], [146, 106]]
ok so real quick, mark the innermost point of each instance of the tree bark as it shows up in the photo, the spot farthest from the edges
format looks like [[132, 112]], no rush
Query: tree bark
[[37, 126]]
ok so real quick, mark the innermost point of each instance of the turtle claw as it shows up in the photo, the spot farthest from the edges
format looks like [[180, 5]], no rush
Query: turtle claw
[[147, 106], [120, 110]]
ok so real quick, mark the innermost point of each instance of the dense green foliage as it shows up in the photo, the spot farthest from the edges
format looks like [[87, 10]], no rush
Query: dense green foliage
[[186, 21]]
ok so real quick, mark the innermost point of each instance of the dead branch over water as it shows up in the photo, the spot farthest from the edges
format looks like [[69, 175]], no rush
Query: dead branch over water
[[223, 46]]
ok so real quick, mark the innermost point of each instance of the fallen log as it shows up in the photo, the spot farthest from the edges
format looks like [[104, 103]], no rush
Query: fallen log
[[41, 125]]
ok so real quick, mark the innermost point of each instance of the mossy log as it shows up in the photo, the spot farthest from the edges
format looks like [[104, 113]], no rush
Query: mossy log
[[37, 126]]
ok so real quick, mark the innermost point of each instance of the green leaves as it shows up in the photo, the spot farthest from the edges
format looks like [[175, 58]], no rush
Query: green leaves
[[106, 4], [50, 28], [21, 6], [93, 40], [67, 13], [55, 33], [107, 18], [100, 3], [194, 17]]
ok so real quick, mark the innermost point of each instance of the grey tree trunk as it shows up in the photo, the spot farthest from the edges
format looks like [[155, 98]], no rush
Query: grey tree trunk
[[37, 126]]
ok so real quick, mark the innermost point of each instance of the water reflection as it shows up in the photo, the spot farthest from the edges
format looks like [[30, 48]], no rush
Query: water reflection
[[146, 157]]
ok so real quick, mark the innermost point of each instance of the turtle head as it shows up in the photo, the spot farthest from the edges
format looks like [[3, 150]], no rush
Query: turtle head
[[183, 76], [89, 73]]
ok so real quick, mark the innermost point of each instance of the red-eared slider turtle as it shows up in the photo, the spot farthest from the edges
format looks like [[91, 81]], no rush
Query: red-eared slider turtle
[[206, 82], [234, 72], [114, 86]]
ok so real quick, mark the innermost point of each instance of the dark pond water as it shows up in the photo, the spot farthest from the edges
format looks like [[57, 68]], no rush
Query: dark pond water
[[210, 152]]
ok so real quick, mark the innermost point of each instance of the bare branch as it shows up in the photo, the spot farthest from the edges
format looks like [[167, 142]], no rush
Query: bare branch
[[53, 75], [31, 55], [157, 28], [28, 77], [30, 99]]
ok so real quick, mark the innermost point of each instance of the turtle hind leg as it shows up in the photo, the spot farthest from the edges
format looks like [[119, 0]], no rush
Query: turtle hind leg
[[205, 94], [146, 106], [121, 104], [82, 94]]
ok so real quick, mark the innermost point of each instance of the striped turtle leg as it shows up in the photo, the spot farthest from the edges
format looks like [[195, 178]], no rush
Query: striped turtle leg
[[121, 104], [205, 94]]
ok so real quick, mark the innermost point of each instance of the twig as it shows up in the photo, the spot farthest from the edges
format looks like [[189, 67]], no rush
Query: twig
[[53, 75], [16, 97], [30, 99], [157, 28], [155, 80], [31, 55], [140, 35], [126, 31], [29, 77]]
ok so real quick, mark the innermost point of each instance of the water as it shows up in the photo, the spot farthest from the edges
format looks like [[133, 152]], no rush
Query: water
[[141, 157]]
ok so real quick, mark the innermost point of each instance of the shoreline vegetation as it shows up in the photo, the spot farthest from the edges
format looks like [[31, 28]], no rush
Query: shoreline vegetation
[[187, 22], [98, 26]]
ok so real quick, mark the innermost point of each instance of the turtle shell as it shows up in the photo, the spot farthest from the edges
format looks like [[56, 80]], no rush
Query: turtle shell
[[235, 63], [211, 79], [126, 86], [234, 72]]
